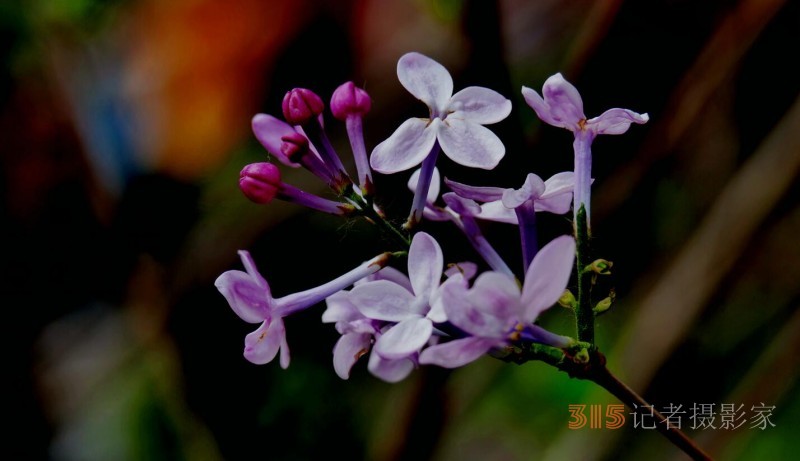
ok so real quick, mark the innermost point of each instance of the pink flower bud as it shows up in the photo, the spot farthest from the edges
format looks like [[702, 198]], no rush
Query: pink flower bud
[[301, 106], [293, 146], [260, 182], [349, 100]]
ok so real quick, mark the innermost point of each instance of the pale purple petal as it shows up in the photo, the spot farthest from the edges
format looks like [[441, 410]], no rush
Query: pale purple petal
[[470, 144], [556, 204], [250, 267], [284, 359], [466, 269], [559, 183], [383, 300], [456, 353], [425, 265], [348, 349], [615, 121], [531, 189], [405, 338], [340, 309], [547, 276], [261, 346], [477, 193], [488, 310], [478, 104], [249, 300], [391, 371], [433, 190], [564, 101], [406, 148], [269, 131], [540, 107], [391, 274], [460, 205], [426, 79], [496, 211]]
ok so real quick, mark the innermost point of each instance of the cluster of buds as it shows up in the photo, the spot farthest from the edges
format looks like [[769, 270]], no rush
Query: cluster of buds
[[301, 141], [434, 313]]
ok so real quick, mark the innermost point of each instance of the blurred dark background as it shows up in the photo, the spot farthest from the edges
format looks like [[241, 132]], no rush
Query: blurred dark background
[[124, 124]]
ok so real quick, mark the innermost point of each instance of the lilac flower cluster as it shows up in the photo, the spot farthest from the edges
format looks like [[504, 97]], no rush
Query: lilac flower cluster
[[434, 313]]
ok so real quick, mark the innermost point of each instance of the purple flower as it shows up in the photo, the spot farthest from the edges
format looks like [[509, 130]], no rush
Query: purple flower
[[520, 205], [410, 309], [494, 311], [249, 296], [358, 333], [499, 204], [456, 121], [455, 126], [562, 107]]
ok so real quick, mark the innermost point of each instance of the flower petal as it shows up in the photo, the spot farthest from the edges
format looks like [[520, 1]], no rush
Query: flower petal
[[426, 79], [391, 274], [466, 269], [615, 121], [383, 300], [460, 205], [261, 346], [456, 353], [390, 371], [250, 301], [348, 349], [547, 276], [340, 309], [407, 147], [531, 189], [477, 193], [533, 99], [433, 190], [564, 101], [557, 196], [478, 104], [425, 265], [488, 310], [269, 131], [496, 211], [556, 204], [405, 338], [470, 144]]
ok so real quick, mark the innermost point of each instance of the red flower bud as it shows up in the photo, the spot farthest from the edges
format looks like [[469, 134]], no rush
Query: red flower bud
[[301, 106], [260, 182], [348, 99]]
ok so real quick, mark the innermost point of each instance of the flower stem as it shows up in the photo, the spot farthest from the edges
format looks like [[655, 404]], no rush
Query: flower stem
[[368, 211], [603, 377], [584, 314]]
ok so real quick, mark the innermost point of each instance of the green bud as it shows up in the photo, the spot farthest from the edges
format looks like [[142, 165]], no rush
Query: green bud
[[568, 300], [582, 356], [601, 266], [603, 305]]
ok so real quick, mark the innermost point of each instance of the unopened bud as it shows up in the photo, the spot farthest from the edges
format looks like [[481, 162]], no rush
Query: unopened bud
[[603, 305], [348, 99], [294, 145], [260, 182], [568, 300], [582, 356], [601, 266], [301, 106]]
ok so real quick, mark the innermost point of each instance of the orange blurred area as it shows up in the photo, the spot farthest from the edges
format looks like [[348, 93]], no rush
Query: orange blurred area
[[195, 73]]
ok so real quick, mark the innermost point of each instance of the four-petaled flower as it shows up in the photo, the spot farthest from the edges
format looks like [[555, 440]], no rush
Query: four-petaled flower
[[562, 107], [249, 296], [412, 310], [495, 312], [455, 121]]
